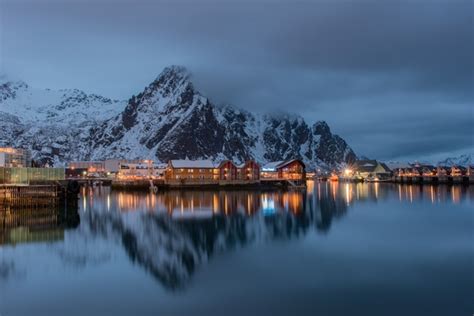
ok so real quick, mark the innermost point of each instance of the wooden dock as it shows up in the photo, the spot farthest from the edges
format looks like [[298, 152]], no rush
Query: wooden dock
[[30, 195], [38, 195]]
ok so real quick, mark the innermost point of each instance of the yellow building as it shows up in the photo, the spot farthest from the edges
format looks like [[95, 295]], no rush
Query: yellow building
[[191, 171]]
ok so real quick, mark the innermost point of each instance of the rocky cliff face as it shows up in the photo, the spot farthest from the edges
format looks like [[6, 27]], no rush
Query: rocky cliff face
[[169, 119]]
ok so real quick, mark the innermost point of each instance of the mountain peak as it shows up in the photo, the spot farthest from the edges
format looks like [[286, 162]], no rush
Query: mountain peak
[[170, 81], [9, 88], [321, 127], [175, 72]]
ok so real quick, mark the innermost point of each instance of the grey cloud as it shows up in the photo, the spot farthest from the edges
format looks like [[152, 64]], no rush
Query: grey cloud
[[375, 70]]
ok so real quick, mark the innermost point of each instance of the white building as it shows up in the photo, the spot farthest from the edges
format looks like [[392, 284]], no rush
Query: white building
[[142, 170]]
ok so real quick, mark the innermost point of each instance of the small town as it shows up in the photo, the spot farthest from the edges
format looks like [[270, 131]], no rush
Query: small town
[[264, 157], [23, 184]]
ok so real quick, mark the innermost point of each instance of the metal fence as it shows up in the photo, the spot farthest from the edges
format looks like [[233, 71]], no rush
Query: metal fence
[[28, 175]]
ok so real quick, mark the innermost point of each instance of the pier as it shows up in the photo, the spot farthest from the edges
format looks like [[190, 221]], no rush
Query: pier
[[30, 195]]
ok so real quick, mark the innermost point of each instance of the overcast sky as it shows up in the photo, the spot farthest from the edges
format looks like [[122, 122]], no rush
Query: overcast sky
[[393, 78]]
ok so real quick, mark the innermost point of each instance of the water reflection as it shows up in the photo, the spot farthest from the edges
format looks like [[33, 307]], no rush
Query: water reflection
[[36, 225], [172, 233]]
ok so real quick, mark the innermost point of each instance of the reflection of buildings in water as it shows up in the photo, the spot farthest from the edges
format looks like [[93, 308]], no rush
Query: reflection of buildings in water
[[177, 241], [373, 192], [251, 202], [223, 220], [456, 194], [433, 193], [184, 242], [329, 200], [36, 225], [225, 202]]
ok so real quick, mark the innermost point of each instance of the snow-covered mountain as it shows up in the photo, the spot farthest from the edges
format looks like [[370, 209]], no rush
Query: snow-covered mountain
[[168, 119], [462, 160], [55, 125]]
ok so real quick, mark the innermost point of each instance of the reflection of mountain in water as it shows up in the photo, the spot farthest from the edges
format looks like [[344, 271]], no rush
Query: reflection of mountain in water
[[179, 230]]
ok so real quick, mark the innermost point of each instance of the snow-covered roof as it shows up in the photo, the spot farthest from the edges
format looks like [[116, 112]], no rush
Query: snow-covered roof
[[185, 163], [272, 165]]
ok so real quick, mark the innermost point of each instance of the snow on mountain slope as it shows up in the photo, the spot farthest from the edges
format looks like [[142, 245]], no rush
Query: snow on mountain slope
[[462, 160], [169, 119], [61, 107]]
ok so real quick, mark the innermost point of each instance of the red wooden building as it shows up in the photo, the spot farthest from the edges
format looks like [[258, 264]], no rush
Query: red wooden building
[[248, 171], [227, 170]]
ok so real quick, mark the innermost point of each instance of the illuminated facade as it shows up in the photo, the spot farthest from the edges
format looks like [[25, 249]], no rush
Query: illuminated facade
[[286, 170], [366, 169], [227, 170], [206, 171], [14, 157], [90, 166], [191, 171], [248, 171]]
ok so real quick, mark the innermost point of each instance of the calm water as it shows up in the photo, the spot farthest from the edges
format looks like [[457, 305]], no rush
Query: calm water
[[335, 249]]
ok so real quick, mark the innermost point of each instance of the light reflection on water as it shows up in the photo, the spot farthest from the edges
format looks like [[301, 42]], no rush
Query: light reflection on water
[[180, 241], [251, 202]]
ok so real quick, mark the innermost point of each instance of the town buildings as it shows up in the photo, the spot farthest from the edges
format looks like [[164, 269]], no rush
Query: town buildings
[[14, 157], [145, 169], [370, 169]]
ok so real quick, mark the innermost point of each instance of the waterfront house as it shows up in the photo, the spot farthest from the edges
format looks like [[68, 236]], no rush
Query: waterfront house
[[470, 173], [248, 171], [270, 171], [397, 168], [443, 171], [366, 169], [185, 170], [286, 170], [428, 170], [458, 171], [145, 169], [113, 165], [418, 170], [227, 170]]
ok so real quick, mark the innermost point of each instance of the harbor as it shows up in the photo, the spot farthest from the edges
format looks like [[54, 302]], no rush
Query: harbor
[[22, 185]]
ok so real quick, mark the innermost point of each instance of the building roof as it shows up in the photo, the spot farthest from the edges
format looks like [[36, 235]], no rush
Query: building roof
[[385, 167], [186, 163], [226, 161], [245, 163], [274, 165], [367, 165], [287, 162]]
